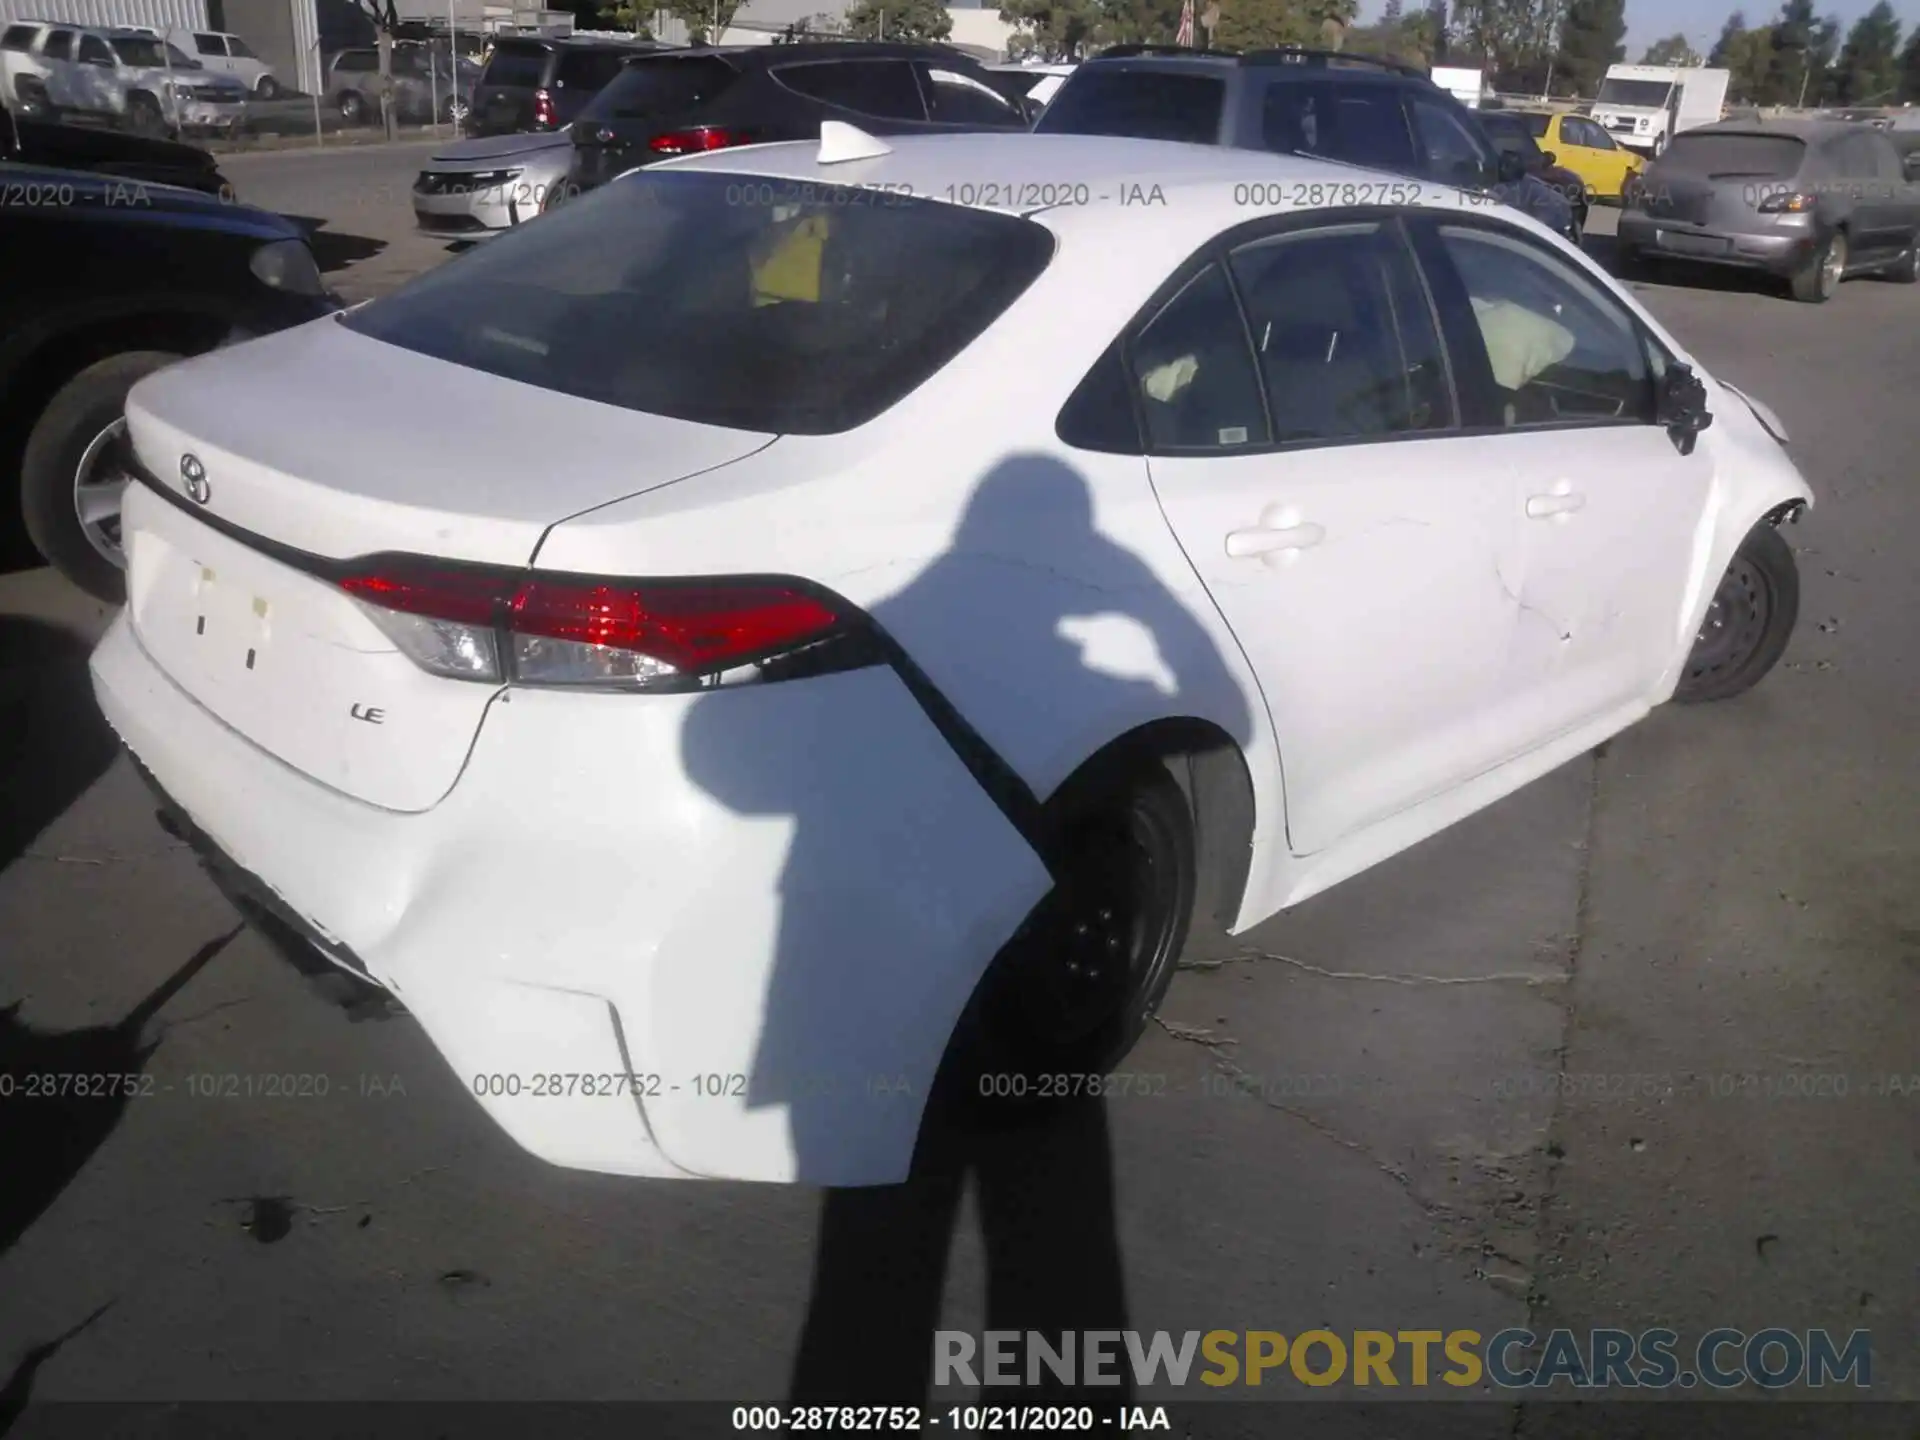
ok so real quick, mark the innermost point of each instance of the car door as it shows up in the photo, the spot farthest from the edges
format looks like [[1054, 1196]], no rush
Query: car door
[[96, 76], [56, 52], [1306, 452], [1561, 377]]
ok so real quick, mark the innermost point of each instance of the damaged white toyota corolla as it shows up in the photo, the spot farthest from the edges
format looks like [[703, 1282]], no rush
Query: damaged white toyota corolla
[[809, 613]]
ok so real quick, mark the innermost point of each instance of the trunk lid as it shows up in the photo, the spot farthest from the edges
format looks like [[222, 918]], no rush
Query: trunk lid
[[337, 446], [497, 147]]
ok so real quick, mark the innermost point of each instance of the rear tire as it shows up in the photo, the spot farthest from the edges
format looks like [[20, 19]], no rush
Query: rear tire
[[1075, 988], [352, 106], [1749, 622], [77, 421], [1906, 270], [268, 88], [1816, 281]]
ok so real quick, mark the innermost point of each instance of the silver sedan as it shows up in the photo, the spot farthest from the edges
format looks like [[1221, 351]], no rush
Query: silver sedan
[[476, 188]]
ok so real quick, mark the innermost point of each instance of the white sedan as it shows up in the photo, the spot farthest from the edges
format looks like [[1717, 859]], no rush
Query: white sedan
[[810, 618]]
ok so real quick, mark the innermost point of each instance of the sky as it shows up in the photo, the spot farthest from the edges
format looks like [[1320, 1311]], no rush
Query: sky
[[1700, 20]]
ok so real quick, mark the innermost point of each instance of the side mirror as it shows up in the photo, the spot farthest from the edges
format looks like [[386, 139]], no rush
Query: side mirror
[[1681, 406], [1549, 157]]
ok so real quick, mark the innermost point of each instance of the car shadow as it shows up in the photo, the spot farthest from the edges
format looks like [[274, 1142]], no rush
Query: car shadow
[[993, 618], [333, 250], [53, 742]]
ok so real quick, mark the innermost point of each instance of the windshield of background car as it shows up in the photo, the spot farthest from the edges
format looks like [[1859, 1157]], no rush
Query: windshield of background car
[[1642, 94], [1730, 157], [659, 85], [1535, 122], [518, 65], [1137, 104], [1509, 132], [707, 297], [134, 50]]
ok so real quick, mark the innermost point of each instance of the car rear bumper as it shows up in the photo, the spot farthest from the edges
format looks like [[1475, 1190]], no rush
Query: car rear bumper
[[670, 935], [1777, 252]]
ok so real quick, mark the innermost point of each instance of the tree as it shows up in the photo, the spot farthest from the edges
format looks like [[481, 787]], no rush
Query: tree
[[1263, 24], [1392, 15], [1674, 50], [706, 20], [1053, 29], [1592, 37], [1868, 72], [385, 23], [1790, 66], [1910, 67], [1733, 36], [917, 20]]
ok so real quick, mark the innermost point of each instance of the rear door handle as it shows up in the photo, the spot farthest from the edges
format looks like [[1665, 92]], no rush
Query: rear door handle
[[1545, 507], [1271, 539]]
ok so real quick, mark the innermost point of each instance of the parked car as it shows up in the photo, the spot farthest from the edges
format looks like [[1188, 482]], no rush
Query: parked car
[[532, 83], [25, 140], [756, 663], [1511, 135], [1353, 108], [226, 53], [425, 86], [1583, 146], [476, 188], [1812, 202], [126, 77], [119, 277], [681, 101]]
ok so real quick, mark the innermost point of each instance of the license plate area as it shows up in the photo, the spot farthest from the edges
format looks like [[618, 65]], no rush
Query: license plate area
[[1681, 243]]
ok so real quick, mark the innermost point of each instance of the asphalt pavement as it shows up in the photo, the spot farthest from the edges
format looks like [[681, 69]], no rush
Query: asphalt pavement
[[1350, 1121]]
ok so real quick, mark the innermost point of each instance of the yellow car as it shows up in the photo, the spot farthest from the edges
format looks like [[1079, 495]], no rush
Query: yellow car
[[1582, 146]]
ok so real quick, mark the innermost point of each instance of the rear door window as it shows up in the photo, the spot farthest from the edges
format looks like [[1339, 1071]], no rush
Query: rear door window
[[95, 51], [588, 69], [59, 45], [885, 88], [517, 66], [1735, 156], [1193, 372], [1359, 124], [1139, 104], [664, 294], [660, 86], [354, 62], [954, 98]]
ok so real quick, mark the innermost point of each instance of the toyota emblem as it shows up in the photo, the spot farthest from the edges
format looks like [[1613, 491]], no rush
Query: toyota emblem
[[193, 475]]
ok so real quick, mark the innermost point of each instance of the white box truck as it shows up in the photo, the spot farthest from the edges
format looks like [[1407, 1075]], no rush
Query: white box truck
[[1466, 86], [1644, 106]]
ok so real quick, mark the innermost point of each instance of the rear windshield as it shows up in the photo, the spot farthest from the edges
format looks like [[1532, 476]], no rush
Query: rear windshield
[[589, 69], [1139, 104], [1643, 94], [520, 65], [705, 296], [660, 85], [1727, 157]]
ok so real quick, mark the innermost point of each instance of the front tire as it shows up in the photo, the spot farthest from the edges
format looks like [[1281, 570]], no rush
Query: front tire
[[353, 107], [1906, 270], [1075, 988], [75, 468], [144, 115], [1816, 281], [1748, 623]]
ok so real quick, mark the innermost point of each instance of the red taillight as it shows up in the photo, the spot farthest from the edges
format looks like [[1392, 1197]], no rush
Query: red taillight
[[691, 629], [543, 111], [576, 630], [691, 142]]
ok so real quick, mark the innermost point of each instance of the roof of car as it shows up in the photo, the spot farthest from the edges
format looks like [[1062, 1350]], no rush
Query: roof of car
[[1288, 57], [1177, 193], [834, 50], [1793, 126]]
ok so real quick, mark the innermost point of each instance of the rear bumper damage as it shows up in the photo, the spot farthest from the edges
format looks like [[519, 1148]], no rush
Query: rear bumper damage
[[720, 935]]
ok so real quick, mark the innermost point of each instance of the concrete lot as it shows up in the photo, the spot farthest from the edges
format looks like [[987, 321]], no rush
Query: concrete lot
[[1726, 896]]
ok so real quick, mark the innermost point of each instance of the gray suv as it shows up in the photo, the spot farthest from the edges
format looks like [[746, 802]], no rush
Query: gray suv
[[1810, 201], [1349, 108]]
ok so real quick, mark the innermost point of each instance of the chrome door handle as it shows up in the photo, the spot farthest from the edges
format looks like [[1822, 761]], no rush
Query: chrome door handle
[[1545, 507], [1267, 539]]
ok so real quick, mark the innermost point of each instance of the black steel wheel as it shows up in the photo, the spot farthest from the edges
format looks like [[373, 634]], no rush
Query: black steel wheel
[[1074, 989], [1748, 622]]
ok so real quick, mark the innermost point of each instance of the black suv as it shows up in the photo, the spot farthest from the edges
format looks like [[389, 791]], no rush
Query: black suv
[[26, 140], [1331, 105], [682, 101], [531, 83]]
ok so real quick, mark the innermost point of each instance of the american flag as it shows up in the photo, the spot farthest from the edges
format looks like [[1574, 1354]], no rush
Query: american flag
[[1185, 36]]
